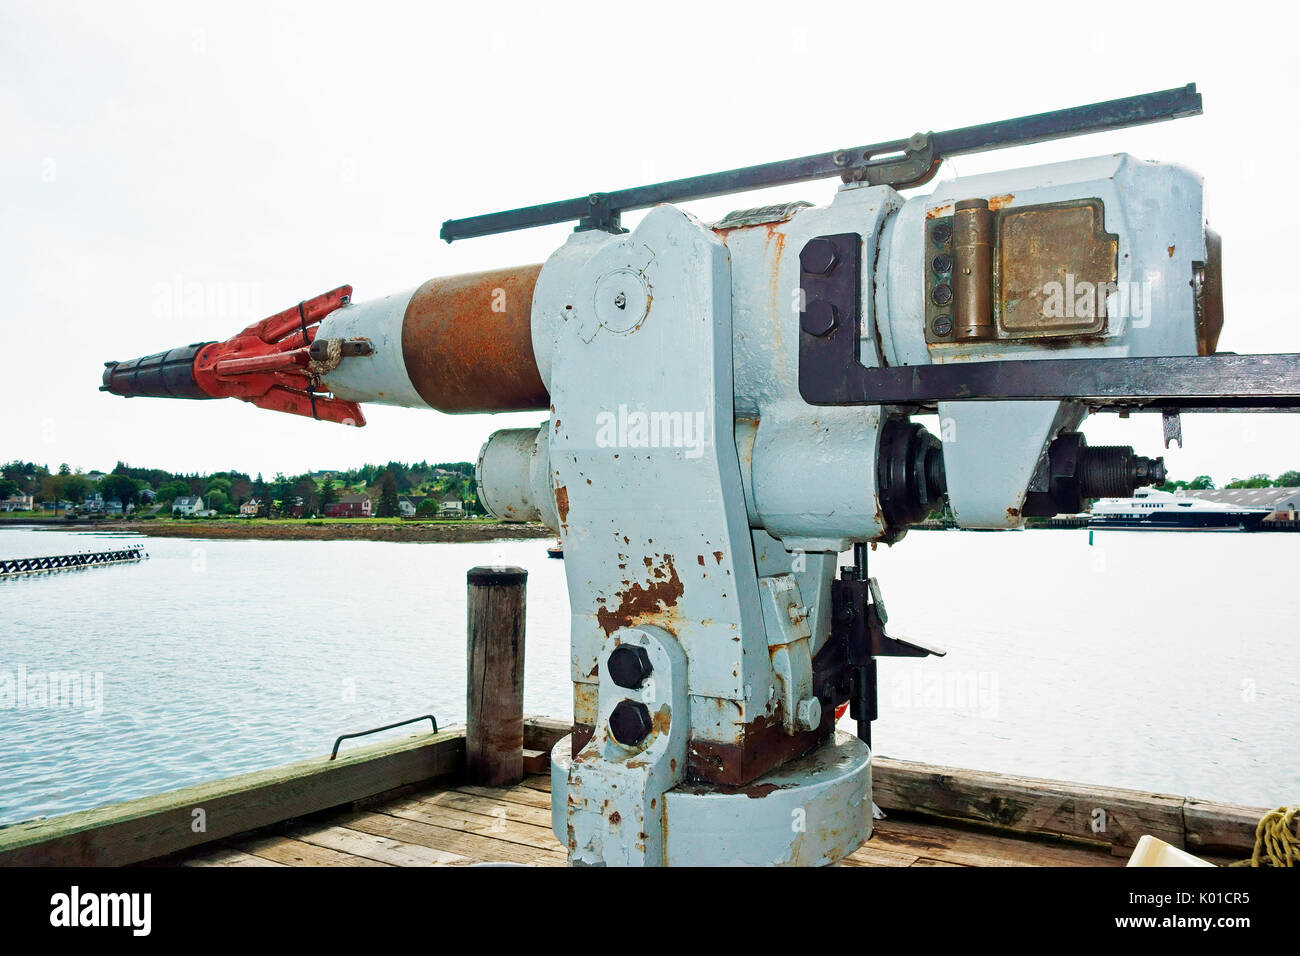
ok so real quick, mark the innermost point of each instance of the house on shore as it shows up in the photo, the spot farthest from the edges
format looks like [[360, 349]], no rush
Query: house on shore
[[17, 503], [187, 505], [450, 506], [250, 508], [409, 505], [349, 506]]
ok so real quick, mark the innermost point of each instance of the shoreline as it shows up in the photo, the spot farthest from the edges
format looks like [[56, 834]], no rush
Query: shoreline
[[300, 530]]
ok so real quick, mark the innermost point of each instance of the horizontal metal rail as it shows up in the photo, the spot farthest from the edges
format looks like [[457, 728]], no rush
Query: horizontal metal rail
[[601, 210], [12, 567], [1220, 382]]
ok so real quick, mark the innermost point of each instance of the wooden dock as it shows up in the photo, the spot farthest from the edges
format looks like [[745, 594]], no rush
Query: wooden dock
[[460, 825], [407, 803]]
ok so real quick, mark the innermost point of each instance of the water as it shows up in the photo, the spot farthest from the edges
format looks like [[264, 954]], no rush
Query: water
[[1167, 662]]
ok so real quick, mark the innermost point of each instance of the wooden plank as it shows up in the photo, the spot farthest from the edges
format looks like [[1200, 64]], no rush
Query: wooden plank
[[523, 795], [375, 847], [480, 849], [536, 761], [293, 852], [494, 735], [1028, 805], [974, 848], [868, 855], [1220, 829], [543, 733], [926, 861], [473, 803], [160, 825], [497, 826], [538, 782], [228, 857]]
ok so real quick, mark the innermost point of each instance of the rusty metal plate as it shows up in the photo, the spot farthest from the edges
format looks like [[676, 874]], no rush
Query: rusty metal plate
[[1053, 268]]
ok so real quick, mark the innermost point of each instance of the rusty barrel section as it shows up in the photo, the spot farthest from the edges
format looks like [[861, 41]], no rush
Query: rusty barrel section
[[467, 342]]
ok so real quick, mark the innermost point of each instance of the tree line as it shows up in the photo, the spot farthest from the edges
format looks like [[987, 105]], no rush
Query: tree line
[[1288, 479], [224, 492]]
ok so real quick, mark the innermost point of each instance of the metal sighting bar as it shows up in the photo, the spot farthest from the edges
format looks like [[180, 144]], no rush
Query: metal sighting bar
[[1221, 382], [898, 163]]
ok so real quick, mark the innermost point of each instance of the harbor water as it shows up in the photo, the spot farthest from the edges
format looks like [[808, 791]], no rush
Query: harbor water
[[1165, 662]]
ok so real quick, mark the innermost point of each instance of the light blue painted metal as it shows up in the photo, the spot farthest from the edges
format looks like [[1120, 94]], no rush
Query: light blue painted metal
[[644, 464], [614, 793], [991, 449], [811, 812]]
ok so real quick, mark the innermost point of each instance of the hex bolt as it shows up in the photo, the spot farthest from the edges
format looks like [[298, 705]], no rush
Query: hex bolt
[[817, 257], [808, 715], [629, 665], [819, 318], [629, 723]]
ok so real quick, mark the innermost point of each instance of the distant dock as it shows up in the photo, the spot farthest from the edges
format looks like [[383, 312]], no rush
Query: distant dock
[[16, 567]]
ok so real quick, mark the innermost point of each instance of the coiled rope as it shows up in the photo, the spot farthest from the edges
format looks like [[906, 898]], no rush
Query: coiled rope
[[1276, 842]]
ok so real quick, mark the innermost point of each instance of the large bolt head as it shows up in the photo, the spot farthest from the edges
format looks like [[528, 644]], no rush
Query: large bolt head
[[817, 257], [629, 665], [819, 318], [629, 724], [808, 715]]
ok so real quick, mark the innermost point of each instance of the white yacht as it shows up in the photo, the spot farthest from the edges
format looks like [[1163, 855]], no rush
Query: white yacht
[[1152, 510]]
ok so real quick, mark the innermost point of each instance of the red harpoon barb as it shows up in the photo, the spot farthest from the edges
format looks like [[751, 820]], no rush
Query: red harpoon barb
[[269, 364]]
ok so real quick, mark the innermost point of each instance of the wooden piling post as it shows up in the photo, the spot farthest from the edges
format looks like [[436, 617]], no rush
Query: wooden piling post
[[494, 735]]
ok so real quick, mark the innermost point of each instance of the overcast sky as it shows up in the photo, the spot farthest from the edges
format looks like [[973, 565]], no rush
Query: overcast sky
[[266, 153]]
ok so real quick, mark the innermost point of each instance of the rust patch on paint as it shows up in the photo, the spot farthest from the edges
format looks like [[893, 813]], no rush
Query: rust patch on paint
[[660, 722], [562, 503], [644, 603], [582, 734], [1171, 252], [763, 745], [1000, 202], [717, 556], [467, 342]]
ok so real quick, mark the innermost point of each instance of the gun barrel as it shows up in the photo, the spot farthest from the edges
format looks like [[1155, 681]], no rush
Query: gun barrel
[[458, 344]]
